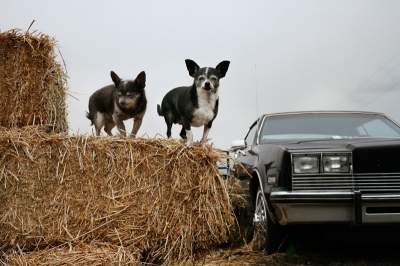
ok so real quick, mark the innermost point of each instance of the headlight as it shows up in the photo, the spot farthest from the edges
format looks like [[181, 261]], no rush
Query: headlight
[[336, 163], [306, 164]]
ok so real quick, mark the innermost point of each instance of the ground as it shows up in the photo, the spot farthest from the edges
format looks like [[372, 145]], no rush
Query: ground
[[322, 245]]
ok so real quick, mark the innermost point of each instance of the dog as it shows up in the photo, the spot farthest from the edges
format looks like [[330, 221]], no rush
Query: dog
[[112, 104], [195, 105]]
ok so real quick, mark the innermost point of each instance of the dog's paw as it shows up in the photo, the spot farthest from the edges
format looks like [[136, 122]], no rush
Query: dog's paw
[[189, 143], [204, 142]]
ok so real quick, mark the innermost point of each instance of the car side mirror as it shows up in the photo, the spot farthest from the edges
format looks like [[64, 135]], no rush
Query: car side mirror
[[238, 144]]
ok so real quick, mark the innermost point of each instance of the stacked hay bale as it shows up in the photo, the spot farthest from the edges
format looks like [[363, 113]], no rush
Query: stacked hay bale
[[157, 198], [85, 200], [32, 83]]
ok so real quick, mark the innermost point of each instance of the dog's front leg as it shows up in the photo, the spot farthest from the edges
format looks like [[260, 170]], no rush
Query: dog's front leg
[[205, 134], [137, 122], [189, 134], [120, 125]]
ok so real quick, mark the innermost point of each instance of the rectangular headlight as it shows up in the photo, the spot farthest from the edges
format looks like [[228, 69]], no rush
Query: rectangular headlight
[[306, 164], [336, 163]]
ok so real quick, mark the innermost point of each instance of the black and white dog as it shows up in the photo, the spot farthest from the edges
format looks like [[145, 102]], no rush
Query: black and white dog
[[195, 105], [111, 105]]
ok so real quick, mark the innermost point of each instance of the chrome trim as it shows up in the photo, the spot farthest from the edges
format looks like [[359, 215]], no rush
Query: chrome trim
[[381, 196], [331, 195], [376, 174], [311, 193], [369, 183], [333, 207], [259, 130], [325, 112], [389, 118], [314, 213]]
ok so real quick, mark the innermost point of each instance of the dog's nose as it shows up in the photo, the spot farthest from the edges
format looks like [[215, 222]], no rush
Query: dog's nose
[[122, 103], [207, 85]]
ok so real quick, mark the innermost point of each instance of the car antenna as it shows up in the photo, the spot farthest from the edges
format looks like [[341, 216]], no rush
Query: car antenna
[[256, 86]]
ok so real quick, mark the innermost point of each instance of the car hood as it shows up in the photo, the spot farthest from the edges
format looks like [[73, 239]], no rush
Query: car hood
[[337, 144]]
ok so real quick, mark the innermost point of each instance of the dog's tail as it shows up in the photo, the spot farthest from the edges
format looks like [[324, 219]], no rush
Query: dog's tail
[[160, 113], [90, 117]]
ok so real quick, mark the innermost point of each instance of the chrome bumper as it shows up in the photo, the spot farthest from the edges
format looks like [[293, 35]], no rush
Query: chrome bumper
[[335, 207]]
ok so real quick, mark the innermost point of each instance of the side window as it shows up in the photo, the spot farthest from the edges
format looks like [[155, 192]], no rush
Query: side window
[[377, 128], [251, 134]]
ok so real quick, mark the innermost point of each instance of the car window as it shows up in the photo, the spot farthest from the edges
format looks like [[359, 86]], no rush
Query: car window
[[377, 127], [313, 126], [251, 134]]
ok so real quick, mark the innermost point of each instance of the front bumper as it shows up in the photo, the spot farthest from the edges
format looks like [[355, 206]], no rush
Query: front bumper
[[335, 207]]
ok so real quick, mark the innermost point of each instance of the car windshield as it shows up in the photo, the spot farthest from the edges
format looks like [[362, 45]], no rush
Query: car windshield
[[327, 126]]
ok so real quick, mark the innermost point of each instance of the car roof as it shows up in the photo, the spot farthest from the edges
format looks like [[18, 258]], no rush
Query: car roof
[[324, 112]]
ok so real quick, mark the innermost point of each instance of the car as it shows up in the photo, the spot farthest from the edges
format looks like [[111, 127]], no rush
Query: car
[[319, 167]]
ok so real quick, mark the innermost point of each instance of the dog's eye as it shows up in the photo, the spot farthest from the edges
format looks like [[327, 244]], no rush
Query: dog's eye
[[213, 78], [201, 78]]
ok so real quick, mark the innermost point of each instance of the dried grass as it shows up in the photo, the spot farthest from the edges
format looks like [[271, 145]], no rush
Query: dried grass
[[80, 254], [243, 256], [32, 83], [156, 197]]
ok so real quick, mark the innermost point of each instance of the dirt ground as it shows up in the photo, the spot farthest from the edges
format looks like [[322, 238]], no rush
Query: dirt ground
[[322, 245]]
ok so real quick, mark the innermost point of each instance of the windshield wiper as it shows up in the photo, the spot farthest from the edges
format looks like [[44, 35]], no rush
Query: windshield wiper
[[321, 139]]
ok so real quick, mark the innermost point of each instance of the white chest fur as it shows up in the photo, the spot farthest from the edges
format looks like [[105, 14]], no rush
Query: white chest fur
[[205, 112]]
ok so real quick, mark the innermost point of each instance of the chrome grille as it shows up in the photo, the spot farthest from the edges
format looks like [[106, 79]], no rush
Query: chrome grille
[[364, 183]]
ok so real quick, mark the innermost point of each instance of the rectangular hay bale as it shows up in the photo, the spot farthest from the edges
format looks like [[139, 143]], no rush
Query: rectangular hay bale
[[32, 83], [78, 255], [153, 195]]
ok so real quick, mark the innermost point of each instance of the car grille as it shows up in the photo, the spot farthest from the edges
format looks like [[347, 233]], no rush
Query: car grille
[[380, 159], [376, 168], [362, 182]]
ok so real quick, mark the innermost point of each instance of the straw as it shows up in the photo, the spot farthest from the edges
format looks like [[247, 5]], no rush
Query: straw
[[32, 83], [153, 195]]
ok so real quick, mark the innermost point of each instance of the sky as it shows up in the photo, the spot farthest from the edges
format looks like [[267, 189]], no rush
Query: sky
[[286, 55]]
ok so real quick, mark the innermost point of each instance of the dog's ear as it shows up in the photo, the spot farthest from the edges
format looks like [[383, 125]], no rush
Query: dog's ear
[[222, 68], [192, 67], [141, 79], [115, 78]]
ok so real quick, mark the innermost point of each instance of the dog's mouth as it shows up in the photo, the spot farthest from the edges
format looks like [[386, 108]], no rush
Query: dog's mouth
[[128, 102], [123, 104], [210, 90], [207, 87]]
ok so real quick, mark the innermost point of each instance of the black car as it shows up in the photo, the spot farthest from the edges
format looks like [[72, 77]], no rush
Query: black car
[[320, 167]]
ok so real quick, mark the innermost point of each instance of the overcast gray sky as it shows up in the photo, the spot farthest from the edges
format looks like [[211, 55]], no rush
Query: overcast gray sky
[[285, 55]]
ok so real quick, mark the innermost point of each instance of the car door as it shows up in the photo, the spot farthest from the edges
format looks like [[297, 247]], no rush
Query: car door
[[248, 156]]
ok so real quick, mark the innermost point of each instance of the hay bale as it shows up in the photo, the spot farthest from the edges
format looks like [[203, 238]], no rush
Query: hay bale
[[153, 195], [32, 83], [80, 254]]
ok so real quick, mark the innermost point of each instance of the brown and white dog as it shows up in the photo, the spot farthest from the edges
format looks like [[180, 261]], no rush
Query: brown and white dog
[[111, 105]]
